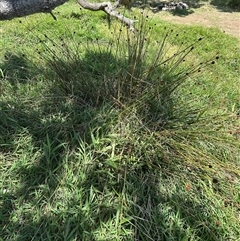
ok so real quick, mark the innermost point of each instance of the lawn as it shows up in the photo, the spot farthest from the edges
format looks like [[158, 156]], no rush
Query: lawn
[[107, 134]]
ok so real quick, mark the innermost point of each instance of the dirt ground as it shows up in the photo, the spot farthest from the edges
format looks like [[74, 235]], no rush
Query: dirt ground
[[207, 15]]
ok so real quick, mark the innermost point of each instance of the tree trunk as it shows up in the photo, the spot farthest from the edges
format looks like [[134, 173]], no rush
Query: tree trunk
[[10, 9]]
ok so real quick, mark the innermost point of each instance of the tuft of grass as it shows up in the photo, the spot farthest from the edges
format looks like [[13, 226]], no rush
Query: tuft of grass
[[118, 136]]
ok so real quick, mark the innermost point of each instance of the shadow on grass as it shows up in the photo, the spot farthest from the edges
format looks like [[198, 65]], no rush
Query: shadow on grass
[[151, 208], [226, 6], [182, 13], [15, 68], [75, 105]]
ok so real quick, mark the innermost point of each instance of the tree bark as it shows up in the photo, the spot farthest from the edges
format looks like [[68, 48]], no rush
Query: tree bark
[[10, 9]]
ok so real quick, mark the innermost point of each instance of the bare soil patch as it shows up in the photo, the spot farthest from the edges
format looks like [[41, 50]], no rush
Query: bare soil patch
[[209, 16]]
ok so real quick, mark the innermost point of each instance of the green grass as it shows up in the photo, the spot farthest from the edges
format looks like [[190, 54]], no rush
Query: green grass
[[105, 136]]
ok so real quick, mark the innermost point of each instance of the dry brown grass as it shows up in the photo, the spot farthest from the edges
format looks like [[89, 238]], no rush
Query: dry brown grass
[[209, 16]]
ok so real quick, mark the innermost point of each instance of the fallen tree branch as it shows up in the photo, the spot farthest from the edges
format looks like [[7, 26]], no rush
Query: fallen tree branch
[[109, 9], [10, 9]]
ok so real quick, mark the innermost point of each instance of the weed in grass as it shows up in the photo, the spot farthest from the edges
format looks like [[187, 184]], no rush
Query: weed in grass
[[144, 89], [110, 149]]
